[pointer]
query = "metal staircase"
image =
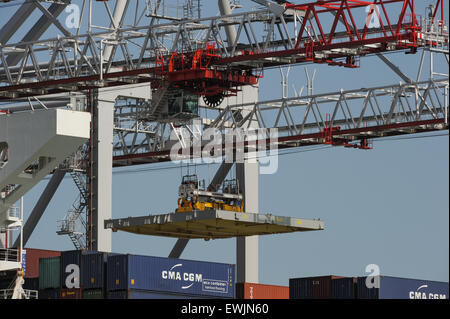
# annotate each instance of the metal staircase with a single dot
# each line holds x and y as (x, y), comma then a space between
(159, 103)
(74, 223)
(81, 185)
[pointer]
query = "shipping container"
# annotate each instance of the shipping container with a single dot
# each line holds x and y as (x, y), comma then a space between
(70, 294)
(71, 269)
(344, 288)
(189, 277)
(49, 272)
(48, 294)
(147, 294)
(312, 287)
(260, 291)
(299, 288)
(93, 270)
(31, 284)
(93, 294)
(386, 287)
(31, 265)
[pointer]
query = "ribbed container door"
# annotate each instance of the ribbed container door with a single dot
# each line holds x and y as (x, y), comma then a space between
(71, 269)
(93, 270)
(343, 288)
(32, 263)
(363, 292)
(49, 272)
(117, 273)
(321, 287)
(299, 288)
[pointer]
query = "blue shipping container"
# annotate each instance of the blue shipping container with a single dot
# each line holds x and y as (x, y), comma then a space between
(126, 272)
(402, 288)
(93, 270)
(71, 269)
(146, 294)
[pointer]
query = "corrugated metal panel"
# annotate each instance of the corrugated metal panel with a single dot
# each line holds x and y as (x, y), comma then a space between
(93, 270)
(93, 294)
(146, 294)
(321, 287)
(71, 269)
(170, 275)
(312, 287)
(260, 291)
(343, 288)
(299, 288)
(70, 294)
(49, 272)
(48, 294)
(32, 260)
(117, 273)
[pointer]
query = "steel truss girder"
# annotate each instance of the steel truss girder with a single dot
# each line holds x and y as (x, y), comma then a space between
(300, 121)
(77, 62)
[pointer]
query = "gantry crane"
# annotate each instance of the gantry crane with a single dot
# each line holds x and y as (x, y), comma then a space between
(165, 69)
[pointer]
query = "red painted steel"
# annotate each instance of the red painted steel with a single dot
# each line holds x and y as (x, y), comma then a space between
(393, 34)
(194, 72)
(261, 291)
(32, 260)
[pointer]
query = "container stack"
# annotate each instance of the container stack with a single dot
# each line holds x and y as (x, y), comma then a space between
(377, 287)
(96, 275)
(93, 276)
(31, 266)
(143, 277)
(387, 287)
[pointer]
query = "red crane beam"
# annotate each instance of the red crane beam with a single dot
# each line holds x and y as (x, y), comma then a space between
(324, 47)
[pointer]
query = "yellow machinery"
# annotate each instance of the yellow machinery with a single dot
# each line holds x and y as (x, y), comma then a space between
(193, 196)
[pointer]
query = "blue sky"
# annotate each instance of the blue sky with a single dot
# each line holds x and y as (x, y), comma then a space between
(388, 206)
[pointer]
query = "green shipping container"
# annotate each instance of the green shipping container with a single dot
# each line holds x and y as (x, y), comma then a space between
(49, 272)
(93, 294)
